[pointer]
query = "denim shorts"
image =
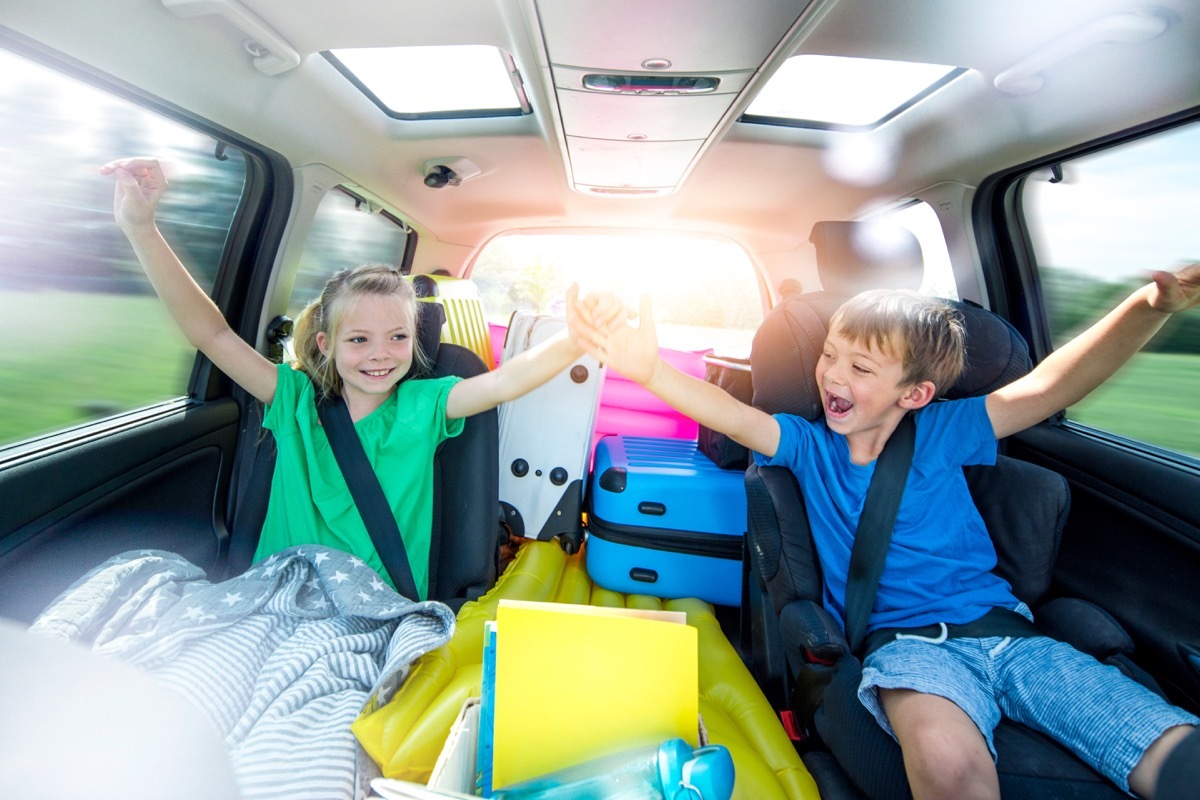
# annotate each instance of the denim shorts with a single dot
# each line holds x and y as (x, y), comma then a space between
(1105, 718)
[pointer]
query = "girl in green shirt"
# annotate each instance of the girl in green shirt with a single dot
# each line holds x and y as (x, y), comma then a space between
(357, 341)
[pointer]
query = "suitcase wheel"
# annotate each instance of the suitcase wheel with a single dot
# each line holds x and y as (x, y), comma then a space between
(570, 542)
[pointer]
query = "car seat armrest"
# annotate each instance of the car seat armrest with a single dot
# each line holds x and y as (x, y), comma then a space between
(1085, 626)
(810, 633)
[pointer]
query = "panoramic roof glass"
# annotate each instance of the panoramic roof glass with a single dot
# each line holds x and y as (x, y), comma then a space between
(833, 91)
(435, 82)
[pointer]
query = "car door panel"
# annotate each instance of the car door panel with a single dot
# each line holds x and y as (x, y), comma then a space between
(1131, 544)
(160, 485)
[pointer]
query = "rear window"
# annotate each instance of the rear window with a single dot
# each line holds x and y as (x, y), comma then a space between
(706, 291)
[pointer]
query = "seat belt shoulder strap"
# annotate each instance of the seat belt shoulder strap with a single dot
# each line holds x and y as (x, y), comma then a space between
(874, 532)
(367, 492)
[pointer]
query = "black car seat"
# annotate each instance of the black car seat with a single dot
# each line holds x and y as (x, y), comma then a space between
(464, 549)
(798, 651)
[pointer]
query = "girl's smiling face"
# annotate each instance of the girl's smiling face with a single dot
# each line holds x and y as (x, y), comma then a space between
(372, 349)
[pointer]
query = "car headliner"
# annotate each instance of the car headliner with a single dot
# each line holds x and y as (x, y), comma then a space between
(761, 185)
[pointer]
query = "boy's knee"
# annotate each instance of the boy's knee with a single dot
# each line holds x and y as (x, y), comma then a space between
(945, 754)
(943, 765)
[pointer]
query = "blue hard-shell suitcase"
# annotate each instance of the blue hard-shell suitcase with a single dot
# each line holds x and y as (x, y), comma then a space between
(664, 520)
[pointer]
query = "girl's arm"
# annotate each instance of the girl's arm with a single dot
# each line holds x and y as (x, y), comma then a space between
(140, 184)
(513, 378)
(535, 366)
(1071, 372)
(634, 352)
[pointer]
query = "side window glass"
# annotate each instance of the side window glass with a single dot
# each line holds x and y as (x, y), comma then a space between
(922, 220)
(84, 335)
(1099, 225)
(344, 234)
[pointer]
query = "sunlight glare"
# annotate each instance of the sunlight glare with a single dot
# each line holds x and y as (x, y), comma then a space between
(866, 158)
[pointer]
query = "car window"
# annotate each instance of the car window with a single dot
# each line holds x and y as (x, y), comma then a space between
(922, 220)
(1099, 224)
(84, 335)
(705, 291)
(346, 231)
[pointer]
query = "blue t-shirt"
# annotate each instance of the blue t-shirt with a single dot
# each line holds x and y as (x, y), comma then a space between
(940, 560)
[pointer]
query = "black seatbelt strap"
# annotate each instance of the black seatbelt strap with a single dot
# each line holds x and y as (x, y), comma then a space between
(874, 532)
(367, 493)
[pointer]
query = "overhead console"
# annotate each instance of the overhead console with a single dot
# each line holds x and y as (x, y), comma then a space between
(636, 108)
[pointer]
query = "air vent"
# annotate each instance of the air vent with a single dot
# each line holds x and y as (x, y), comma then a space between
(650, 84)
(625, 191)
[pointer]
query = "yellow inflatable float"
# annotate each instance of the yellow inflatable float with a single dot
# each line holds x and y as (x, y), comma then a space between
(406, 735)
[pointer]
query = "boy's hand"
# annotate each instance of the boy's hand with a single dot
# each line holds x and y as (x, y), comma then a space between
(1176, 291)
(590, 318)
(140, 183)
(633, 351)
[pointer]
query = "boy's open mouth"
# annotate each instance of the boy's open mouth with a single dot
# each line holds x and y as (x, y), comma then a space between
(837, 405)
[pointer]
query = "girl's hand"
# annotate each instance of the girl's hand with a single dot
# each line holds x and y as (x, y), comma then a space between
(140, 183)
(591, 318)
(1176, 291)
(632, 351)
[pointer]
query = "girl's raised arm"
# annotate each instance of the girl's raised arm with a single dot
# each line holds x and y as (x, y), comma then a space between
(140, 184)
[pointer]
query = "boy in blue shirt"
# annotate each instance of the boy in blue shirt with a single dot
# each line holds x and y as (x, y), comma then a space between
(887, 355)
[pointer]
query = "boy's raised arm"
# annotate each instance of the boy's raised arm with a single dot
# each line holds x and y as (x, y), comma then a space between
(140, 184)
(634, 353)
(1071, 372)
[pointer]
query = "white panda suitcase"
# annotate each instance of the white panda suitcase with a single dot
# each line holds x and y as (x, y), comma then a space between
(546, 439)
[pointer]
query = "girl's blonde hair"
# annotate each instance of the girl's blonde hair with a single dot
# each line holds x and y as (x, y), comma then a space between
(326, 312)
(925, 333)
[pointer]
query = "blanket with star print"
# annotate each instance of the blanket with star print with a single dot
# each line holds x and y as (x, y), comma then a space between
(281, 659)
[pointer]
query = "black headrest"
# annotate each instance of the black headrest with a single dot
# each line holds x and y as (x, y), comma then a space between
(853, 256)
(431, 316)
(783, 357)
(996, 353)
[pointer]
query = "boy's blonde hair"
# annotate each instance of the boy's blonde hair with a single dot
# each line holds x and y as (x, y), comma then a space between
(925, 333)
(326, 313)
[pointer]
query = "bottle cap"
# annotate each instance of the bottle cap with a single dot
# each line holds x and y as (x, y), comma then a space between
(703, 774)
(672, 755)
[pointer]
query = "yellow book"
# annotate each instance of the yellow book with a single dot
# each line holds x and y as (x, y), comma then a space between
(574, 683)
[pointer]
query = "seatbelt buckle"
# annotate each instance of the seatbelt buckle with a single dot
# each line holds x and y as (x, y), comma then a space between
(790, 727)
(811, 657)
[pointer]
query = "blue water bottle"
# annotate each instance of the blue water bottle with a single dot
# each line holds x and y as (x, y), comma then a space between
(670, 771)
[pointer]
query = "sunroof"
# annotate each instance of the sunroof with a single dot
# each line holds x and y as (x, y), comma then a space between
(838, 92)
(435, 82)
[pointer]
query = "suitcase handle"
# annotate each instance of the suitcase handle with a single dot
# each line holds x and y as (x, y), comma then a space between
(652, 508)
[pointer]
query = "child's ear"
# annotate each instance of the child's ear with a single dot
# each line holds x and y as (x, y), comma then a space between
(918, 395)
(323, 343)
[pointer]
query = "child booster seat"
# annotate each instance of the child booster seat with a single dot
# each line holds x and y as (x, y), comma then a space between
(799, 652)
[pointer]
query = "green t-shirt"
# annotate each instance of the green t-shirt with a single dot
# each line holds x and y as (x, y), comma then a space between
(310, 502)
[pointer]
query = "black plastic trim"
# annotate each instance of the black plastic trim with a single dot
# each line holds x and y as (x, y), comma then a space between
(709, 545)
